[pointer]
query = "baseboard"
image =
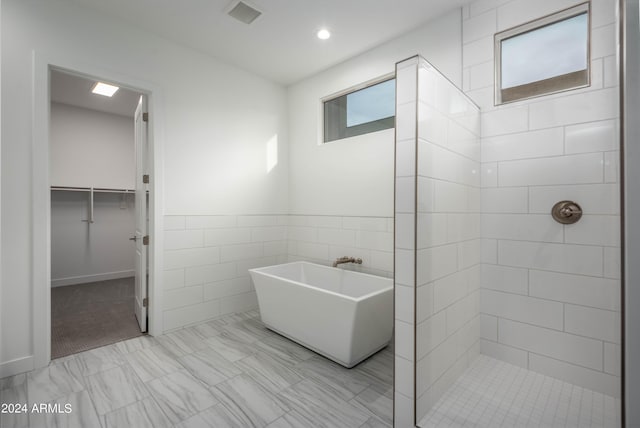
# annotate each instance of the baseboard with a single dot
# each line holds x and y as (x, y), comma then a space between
(60, 282)
(17, 366)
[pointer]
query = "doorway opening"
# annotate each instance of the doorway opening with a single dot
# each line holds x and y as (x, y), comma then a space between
(99, 204)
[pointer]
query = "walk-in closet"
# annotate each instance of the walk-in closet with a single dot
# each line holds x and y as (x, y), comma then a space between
(93, 246)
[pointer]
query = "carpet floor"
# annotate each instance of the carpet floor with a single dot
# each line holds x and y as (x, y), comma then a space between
(87, 316)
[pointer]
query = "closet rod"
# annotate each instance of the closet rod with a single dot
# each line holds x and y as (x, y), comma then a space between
(88, 189)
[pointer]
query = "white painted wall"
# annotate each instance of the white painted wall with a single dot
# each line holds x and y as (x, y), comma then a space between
(91, 148)
(218, 122)
(341, 193)
(550, 297)
(354, 176)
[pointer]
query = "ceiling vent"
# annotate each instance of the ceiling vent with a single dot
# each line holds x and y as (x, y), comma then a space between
(244, 13)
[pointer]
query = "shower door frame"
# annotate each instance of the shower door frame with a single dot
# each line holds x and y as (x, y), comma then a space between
(629, 27)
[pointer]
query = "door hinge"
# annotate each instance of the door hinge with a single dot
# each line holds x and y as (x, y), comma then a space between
(145, 179)
(145, 240)
(145, 117)
(145, 302)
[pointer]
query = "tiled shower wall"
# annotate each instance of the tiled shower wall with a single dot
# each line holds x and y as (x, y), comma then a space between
(207, 257)
(550, 298)
(437, 237)
(448, 236)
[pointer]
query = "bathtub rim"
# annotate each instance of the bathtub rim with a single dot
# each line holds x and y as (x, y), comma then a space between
(342, 296)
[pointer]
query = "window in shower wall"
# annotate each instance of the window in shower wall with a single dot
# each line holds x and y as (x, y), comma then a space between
(360, 111)
(545, 56)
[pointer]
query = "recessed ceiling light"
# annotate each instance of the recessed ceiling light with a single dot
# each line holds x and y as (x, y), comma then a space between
(323, 34)
(104, 89)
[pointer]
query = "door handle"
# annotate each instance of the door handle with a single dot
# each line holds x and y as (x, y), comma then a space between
(135, 238)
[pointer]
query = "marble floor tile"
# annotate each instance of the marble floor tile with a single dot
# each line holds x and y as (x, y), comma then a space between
(207, 329)
(142, 414)
(229, 372)
(64, 359)
(316, 402)
(16, 395)
(180, 395)
(346, 383)
(99, 359)
(378, 367)
(242, 332)
(54, 381)
(209, 367)
(230, 347)
(151, 363)
(167, 343)
(374, 422)
(284, 349)
(136, 344)
(218, 323)
(256, 328)
(82, 414)
(233, 318)
(115, 388)
(268, 371)
(192, 337)
(294, 419)
(13, 381)
(217, 416)
(378, 401)
(254, 313)
(183, 342)
(242, 394)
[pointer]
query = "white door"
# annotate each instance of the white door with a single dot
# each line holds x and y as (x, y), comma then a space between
(141, 213)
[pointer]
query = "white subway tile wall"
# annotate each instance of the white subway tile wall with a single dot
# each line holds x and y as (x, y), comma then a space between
(323, 239)
(207, 257)
(207, 260)
(550, 299)
(437, 236)
(406, 206)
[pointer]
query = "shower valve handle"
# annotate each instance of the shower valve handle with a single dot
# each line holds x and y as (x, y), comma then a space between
(566, 212)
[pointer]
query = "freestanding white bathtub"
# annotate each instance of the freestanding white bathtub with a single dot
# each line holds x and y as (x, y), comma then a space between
(345, 316)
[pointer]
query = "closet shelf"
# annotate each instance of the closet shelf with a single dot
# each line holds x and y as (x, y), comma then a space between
(89, 189)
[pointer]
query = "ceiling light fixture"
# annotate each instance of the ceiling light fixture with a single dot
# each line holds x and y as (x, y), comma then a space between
(104, 89)
(323, 34)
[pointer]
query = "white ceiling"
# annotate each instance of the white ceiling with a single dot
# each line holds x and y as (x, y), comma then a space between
(280, 45)
(76, 91)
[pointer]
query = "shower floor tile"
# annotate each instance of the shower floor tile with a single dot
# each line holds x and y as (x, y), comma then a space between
(492, 394)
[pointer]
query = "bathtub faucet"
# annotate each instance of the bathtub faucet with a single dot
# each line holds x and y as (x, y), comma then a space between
(346, 259)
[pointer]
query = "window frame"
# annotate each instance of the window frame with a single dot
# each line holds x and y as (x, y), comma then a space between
(552, 85)
(363, 128)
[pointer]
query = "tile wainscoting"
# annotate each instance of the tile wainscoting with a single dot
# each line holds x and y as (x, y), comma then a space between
(207, 257)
